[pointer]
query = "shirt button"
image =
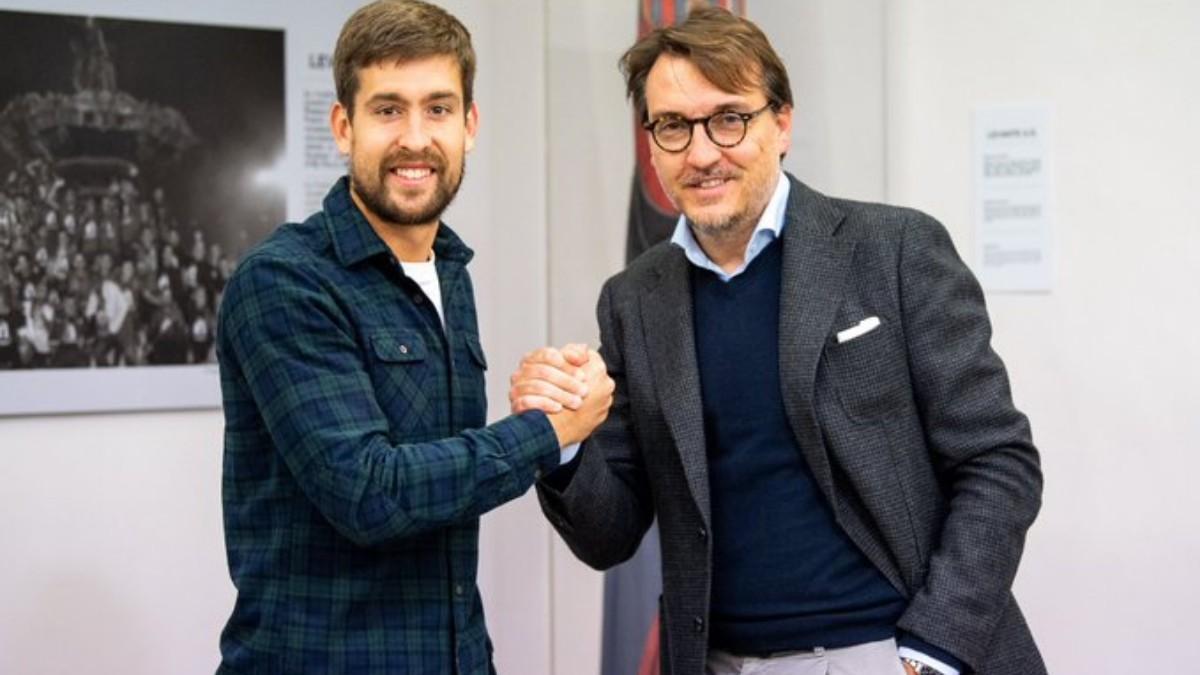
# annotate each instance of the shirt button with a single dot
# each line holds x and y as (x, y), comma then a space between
(403, 349)
(418, 298)
(702, 533)
(537, 474)
(698, 624)
(458, 589)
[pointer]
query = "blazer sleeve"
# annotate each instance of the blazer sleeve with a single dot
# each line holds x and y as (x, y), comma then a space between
(980, 446)
(600, 502)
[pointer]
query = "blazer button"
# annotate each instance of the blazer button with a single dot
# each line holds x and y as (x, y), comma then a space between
(698, 623)
(702, 533)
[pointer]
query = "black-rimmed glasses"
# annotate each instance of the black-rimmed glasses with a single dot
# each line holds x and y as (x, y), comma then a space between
(726, 128)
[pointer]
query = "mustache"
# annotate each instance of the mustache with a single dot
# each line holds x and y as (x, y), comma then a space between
(697, 177)
(429, 157)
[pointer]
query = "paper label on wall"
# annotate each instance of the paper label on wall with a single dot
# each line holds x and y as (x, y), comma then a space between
(323, 163)
(1013, 198)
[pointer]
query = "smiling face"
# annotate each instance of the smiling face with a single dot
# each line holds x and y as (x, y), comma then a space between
(407, 140)
(722, 191)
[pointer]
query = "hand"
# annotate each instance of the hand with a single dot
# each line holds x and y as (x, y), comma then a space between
(549, 380)
(571, 385)
(574, 426)
(912, 667)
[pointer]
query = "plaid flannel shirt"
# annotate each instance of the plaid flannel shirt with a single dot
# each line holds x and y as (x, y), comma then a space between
(357, 462)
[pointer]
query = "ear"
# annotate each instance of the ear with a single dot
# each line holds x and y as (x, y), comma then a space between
(472, 126)
(343, 131)
(783, 118)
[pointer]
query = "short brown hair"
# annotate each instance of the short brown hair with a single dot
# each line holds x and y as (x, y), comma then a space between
(721, 46)
(399, 30)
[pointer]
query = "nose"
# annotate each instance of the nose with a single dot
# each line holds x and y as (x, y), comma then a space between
(701, 152)
(413, 135)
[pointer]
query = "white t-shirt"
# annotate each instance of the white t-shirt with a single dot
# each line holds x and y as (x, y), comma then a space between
(425, 274)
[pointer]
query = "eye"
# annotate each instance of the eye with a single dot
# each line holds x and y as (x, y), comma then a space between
(388, 111)
(671, 125)
(439, 110)
(727, 121)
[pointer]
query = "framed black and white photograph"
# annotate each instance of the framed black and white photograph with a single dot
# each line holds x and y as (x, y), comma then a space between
(137, 163)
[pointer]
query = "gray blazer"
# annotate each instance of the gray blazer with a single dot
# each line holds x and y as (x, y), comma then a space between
(909, 429)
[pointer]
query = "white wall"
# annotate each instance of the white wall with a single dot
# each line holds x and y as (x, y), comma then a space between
(113, 552)
(1106, 365)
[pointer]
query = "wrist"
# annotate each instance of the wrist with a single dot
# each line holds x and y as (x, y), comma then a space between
(915, 667)
(562, 429)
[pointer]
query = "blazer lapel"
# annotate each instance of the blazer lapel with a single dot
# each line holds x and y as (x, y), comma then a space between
(667, 321)
(815, 266)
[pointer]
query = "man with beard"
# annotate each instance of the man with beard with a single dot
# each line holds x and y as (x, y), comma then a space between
(806, 400)
(357, 460)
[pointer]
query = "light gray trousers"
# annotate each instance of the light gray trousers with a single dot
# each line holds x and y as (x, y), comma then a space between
(872, 658)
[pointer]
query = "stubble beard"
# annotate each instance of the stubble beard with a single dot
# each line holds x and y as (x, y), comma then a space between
(723, 228)
(376, 198)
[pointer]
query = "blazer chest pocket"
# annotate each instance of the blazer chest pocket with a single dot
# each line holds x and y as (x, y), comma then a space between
(869, 372)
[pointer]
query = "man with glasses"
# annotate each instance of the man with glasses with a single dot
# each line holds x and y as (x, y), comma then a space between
(806, 399)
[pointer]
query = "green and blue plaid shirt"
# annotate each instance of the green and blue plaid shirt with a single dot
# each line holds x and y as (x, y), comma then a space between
(357, 462)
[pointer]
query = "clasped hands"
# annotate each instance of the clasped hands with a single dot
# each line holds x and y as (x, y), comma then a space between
(571, 385)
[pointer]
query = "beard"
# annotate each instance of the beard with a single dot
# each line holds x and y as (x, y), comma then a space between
(375, 197)
(719, 225)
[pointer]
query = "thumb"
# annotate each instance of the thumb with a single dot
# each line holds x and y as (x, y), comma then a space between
(576, 353)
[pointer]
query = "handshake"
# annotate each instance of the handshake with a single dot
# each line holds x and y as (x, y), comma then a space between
(571, 385)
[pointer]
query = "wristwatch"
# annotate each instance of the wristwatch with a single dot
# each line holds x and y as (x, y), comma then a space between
(921, 668)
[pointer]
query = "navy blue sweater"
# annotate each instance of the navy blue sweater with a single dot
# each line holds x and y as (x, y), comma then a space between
(785, 575)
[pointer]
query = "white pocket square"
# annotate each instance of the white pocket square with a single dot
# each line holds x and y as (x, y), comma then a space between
(858, 330)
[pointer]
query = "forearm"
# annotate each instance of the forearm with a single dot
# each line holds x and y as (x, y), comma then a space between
(600, 503)
(382, 492)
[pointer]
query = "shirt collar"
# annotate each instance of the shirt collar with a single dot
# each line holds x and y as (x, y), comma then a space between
(354, 240)
(769, 227)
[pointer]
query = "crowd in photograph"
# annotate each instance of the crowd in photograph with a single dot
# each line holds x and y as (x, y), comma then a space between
(102, 276)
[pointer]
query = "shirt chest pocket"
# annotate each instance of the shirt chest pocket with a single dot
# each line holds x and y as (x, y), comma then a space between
(405, 376)
(475, 349)
(470, 381)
